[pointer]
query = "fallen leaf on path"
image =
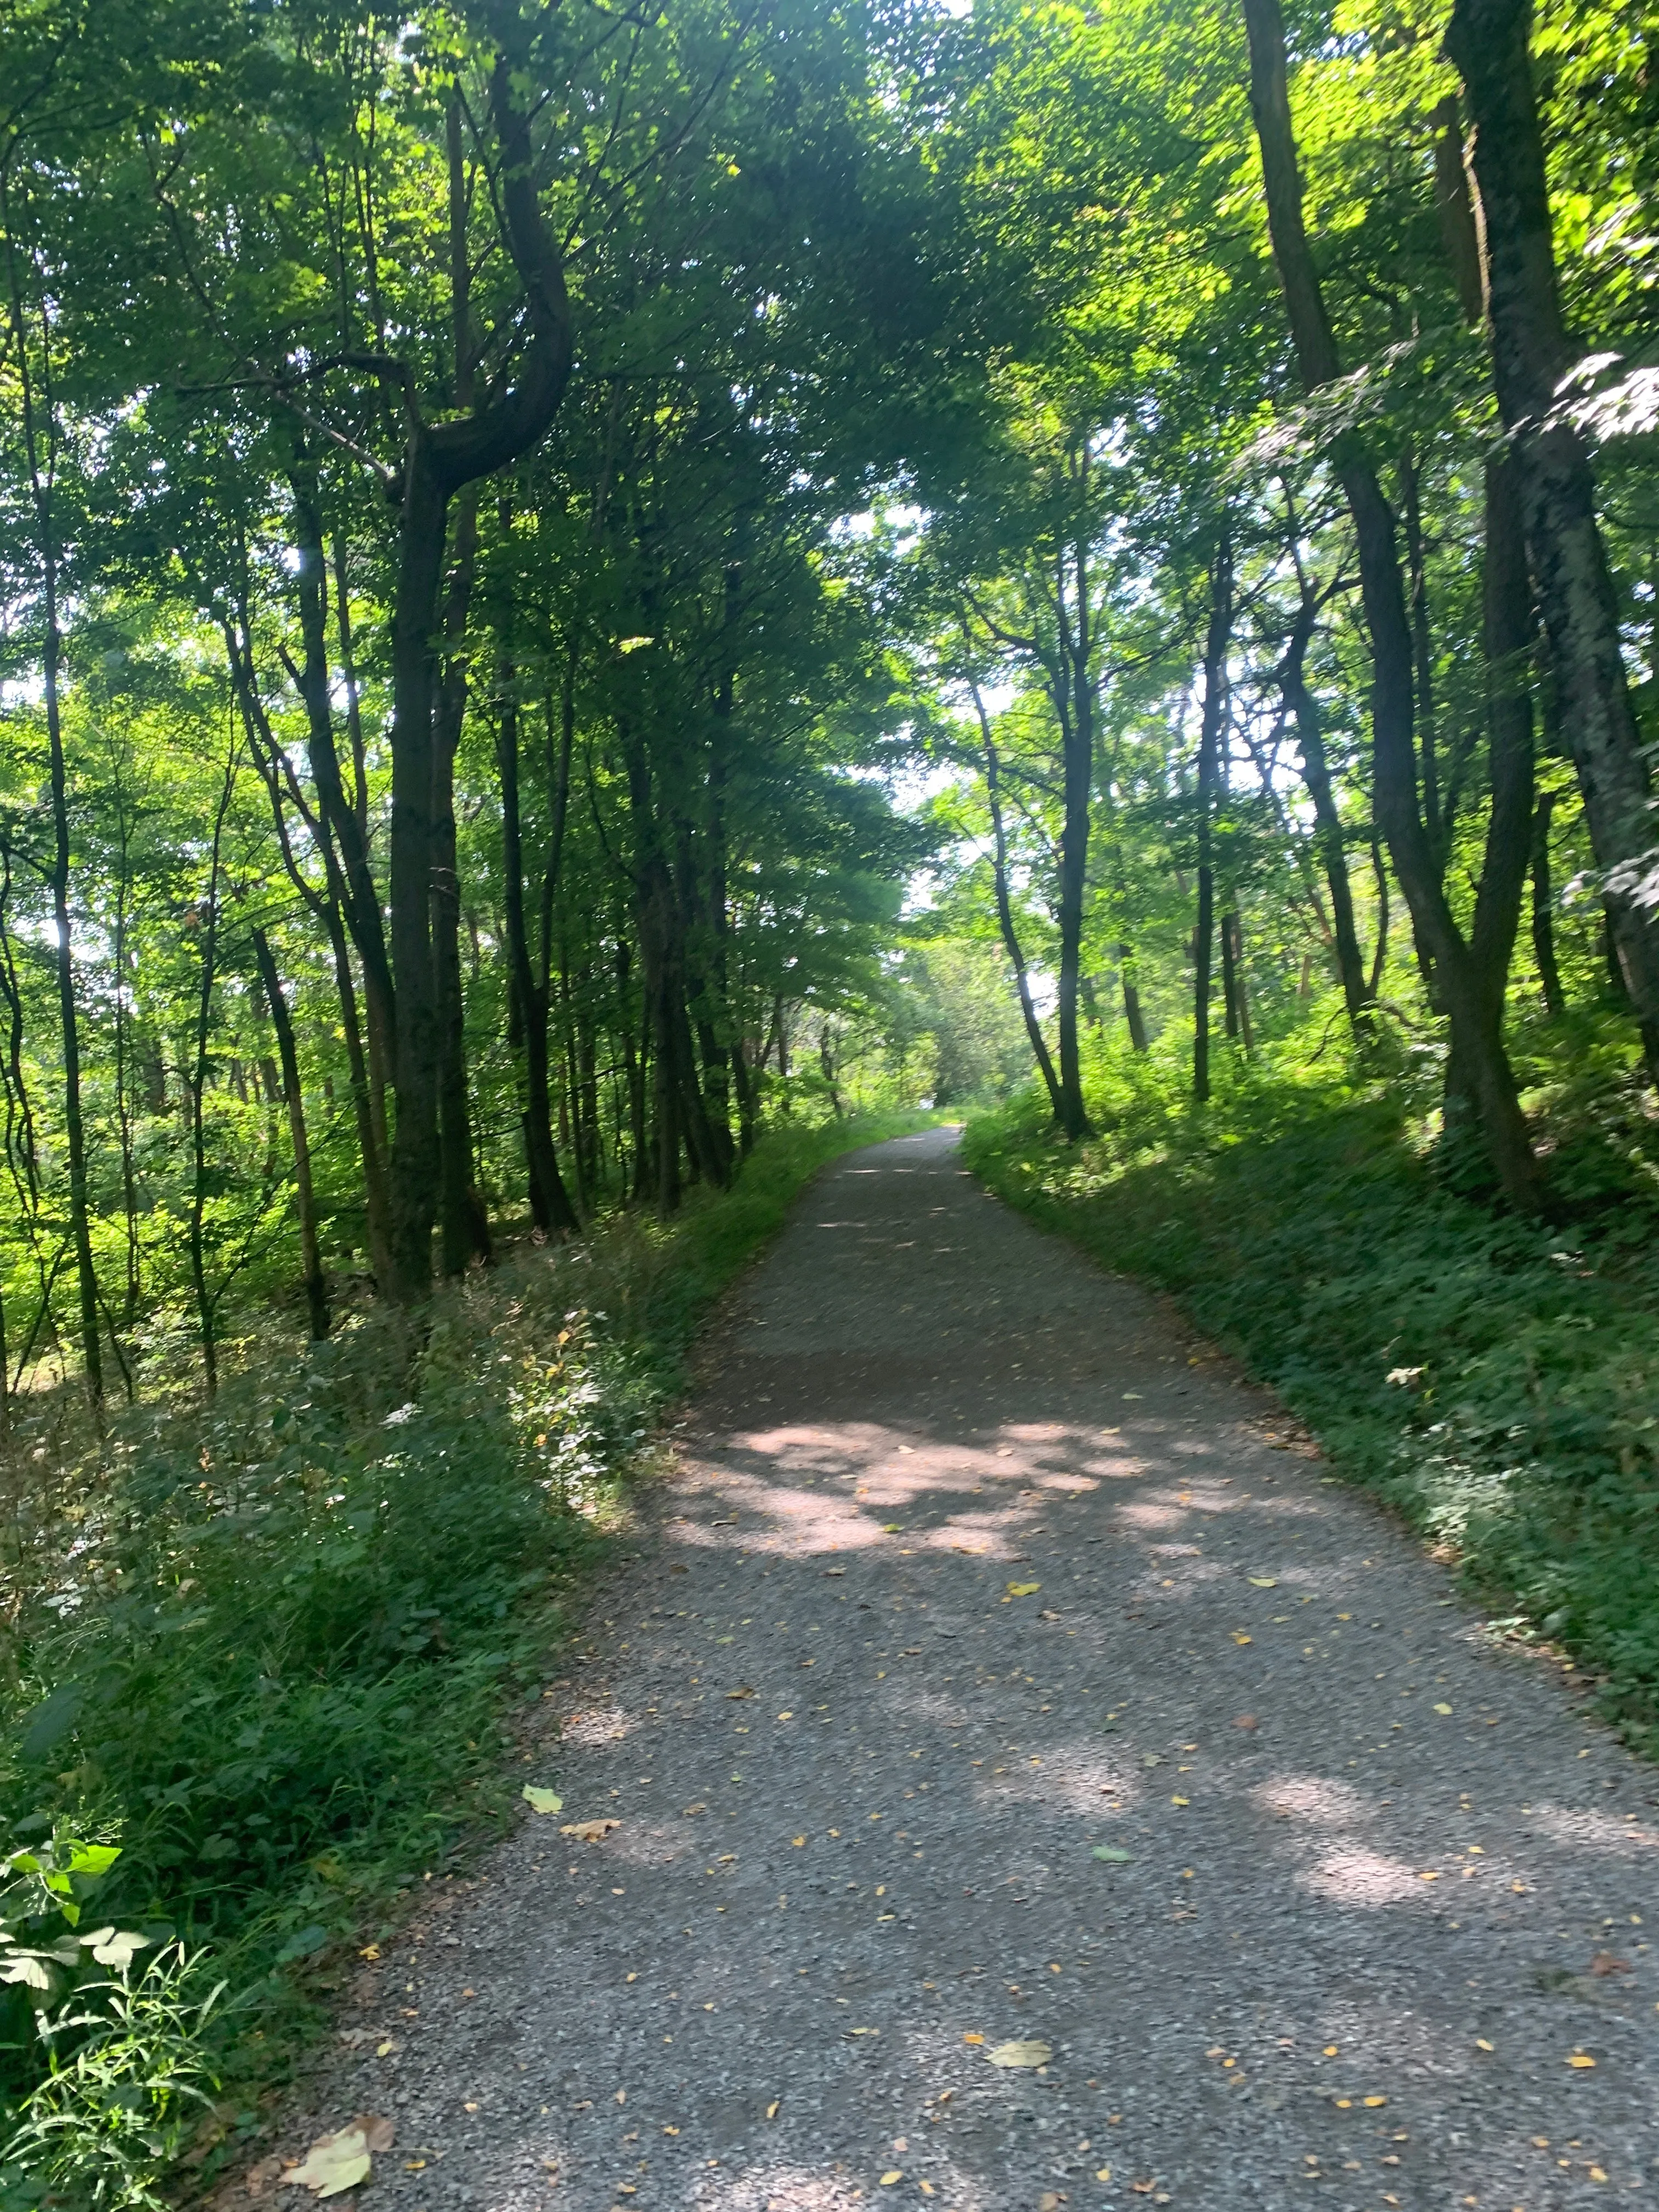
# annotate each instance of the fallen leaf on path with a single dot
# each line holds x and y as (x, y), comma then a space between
(772, 2109)
(1048, 2201)
(341, 2160)
(1112, 1855)
(590, 1831)
(835, 1571)
(744, 1692)
(1181, 1800)
(690, 1809)
(1023, 1589)
(1102, 2173)
(1246, 1721)
(1442, 1709)
(542, 1801)
(973, 2039)
(1604, 1963)
(1237, 1638)
(893, 2173)
(1581, 2058)
(1264, 1581)
(1021, 2053)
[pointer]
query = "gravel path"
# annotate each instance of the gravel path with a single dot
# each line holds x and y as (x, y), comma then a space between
(975, 1563)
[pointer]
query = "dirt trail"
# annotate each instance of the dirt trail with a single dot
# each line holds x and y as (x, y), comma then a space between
(1385, 1883)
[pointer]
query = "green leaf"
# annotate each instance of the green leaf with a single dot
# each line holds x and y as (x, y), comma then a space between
(542, 1801)
(1112, 1855)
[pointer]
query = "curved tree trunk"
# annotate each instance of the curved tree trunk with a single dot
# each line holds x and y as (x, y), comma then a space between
(1477, 1039)
(1488, 41)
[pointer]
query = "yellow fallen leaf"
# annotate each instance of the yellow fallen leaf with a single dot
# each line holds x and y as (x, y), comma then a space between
(1238, 1638)
(1596, 2173)
(893, 2174)
(1580, 2059)
(973, 2039)
(772, 2109)
(786, 1716)
(1102, 2173)
(542, 1801)
(926, 2188)
(1331, 2049)
(744, 1692)
(1264, 1581)
(1345, 2104)
(1442, 1709)
(1023, 1589)
(798, 1841)
(1481, 2044)
(1021, 2053)
(590, 1831)
(341, 2160)
(1181, 1800)
(1373, 2102)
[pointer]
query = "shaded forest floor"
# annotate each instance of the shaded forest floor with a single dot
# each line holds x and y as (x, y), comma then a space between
(1495, 1381)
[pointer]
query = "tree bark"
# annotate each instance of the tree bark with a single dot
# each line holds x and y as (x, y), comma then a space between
(439, 459)
(1476, 1039)
(1543, 910)
(1133, 1013)
(1005, 913)
(550, 1209)
(1209, 756)
(1357, 995)
(1532, 350)
(303, 1196)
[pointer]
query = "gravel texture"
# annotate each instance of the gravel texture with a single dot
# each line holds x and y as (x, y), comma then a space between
(1387, 1879)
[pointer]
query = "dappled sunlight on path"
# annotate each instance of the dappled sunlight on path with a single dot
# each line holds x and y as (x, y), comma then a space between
(1000, 1671)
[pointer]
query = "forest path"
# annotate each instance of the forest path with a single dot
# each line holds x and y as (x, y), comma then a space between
(1385, 1882)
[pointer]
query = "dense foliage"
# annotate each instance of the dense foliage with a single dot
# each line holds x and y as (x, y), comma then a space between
(576, 579)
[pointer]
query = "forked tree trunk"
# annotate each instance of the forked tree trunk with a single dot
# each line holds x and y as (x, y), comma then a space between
(1488, 41)
(1477, 1039)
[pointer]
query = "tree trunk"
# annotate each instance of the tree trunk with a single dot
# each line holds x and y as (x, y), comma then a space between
(550, 1209)
(1131, 1009)
(1209, 757)
(439, 459)
(1507, 607)
(1477, 1040)
(1543, 910)
(1357, 995)
(304, 1199)
(463, 1226)
(1075, 700)
(1005, 912)
(1488, 41)
(370, 1143)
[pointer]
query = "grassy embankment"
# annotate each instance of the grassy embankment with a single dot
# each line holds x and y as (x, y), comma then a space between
(269, 1650)
(1496, 1381)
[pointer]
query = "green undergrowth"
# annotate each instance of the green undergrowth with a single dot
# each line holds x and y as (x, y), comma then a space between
(1496, 1381)
(264, 1658)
